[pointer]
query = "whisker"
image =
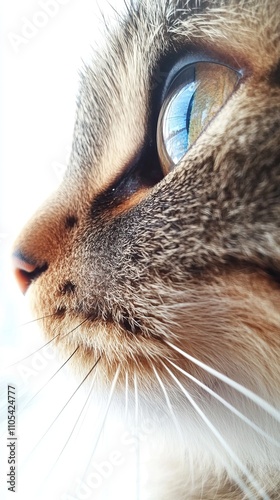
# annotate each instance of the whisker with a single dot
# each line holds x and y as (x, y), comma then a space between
(38, 392)
(77, 421)
(34, 352)
(73, 330)
(29, 322)
(137, 436)
(273, 412)
(245, 471)
(47, 343)
(64, 406)
(136, 401)
(126, 396)
(168, 402)
(56, 372)
(110, 397)
(234, 410)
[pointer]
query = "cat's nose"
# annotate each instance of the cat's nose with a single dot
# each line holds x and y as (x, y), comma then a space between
(25, 271)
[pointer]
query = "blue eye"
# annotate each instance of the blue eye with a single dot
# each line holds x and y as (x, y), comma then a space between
(176, 127)
(195, 97)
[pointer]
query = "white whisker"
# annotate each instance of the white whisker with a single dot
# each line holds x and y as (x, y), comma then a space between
(110, 397)
(79, 416)
(169, 405)
(64, 406)
(73, 429)
(48, 381)
(136, 401)
(235, 385)
(126, 396)
(137, 437)
(73, 329)
(228, 405)
(245, 471)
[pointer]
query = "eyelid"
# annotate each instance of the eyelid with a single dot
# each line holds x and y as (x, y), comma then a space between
(187, 60)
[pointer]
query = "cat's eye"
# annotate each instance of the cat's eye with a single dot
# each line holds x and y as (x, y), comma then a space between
(195, 96)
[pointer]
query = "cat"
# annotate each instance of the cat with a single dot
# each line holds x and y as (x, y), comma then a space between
(156, 263)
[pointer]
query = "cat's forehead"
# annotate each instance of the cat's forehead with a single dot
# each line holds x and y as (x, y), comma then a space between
(119, 87)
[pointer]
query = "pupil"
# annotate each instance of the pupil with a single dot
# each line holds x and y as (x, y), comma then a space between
(177, 122)
(189, 114)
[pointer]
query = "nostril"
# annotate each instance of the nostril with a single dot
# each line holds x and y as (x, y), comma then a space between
(25, 271)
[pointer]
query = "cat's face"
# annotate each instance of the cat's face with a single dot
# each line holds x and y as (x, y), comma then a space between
(165, 233)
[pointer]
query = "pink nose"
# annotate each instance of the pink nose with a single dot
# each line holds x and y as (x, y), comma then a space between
(24, 272)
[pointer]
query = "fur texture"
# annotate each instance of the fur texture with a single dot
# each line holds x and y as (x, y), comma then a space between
(144, 262)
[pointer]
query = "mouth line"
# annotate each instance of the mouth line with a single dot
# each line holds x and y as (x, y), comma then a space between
(129, 325)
